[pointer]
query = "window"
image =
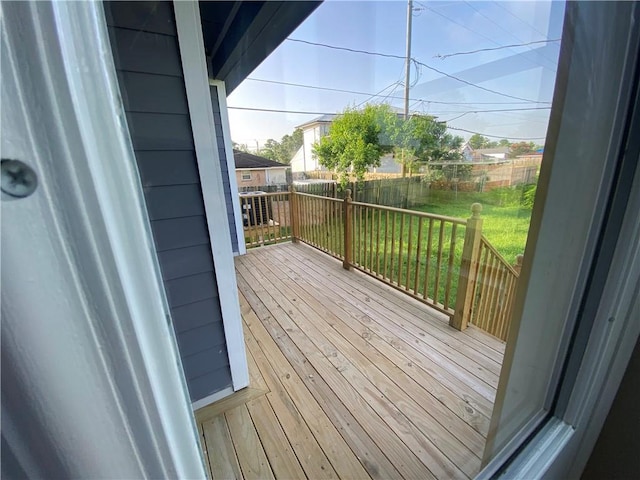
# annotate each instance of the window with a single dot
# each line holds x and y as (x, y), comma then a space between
(246, 176)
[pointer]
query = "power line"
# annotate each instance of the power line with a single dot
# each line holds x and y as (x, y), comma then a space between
(553, 62)
(353, 50)
(355, 92)
(474, 85)
(306, 112)
(495, 48)
(469, 29)
(419, 63)
(495, 136)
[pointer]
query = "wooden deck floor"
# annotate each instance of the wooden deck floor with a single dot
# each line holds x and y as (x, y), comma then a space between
(349, 379)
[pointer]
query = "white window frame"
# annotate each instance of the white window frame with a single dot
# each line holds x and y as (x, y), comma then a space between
(196, 81)
(245, 176)
(562, 434)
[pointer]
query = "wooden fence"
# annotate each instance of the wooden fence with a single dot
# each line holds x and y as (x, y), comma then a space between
(444, 262)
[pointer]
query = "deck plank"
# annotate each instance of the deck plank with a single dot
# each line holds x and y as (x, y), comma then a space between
(221, 453)
(359, 347)
(349, 378)
(444, 454)
(253, 461)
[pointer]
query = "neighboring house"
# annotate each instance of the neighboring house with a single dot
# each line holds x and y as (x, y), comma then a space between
(254, 171)
(306, 161)
(483, 154)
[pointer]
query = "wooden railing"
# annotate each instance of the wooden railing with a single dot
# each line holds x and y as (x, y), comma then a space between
(494, 290)
(414, 252)
(266, 218)
(444, 262)
(319, 221)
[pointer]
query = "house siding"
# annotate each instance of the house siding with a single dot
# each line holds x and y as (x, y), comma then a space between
(226, 183)
(147, 60)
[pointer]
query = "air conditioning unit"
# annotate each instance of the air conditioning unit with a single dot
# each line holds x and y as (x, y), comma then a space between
(256, 209)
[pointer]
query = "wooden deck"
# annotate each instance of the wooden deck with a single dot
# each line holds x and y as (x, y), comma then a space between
(349, 379)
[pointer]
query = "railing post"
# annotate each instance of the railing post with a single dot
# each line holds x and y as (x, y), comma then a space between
(293, 214)
(348, 227)
(518, 266)
(468, 270)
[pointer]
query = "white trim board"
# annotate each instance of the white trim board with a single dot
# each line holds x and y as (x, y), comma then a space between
(208, 400)
(231, 163)
(206, 147)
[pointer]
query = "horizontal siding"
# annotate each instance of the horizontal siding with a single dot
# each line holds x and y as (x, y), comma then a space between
(149, 93)
(199, 364)
(173, 201)
(147, 59)
(145, 52)
(193, 288)
(187, 261)
(200, 387)
(162, 168)
(193, 315)
(154, 17)
(199, 339)
(180, 232)
(160, 131)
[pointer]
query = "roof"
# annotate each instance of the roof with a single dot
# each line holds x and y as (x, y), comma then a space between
(487, 151)
(238, 35)
(248, 160)
(328, 118)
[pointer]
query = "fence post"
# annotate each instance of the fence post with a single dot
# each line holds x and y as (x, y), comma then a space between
(468, 270)
(348, 227)
(293, 214)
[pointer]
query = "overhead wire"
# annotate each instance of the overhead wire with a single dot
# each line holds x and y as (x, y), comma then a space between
(307, 112)
(447, 55)
(511, 34)
(429, 67)
(355, 92)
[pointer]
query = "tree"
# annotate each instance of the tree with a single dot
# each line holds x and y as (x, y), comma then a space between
(478, 141)
(522, 148)
(240, 146)
(504, 143)
(356, 141)
(284, 150)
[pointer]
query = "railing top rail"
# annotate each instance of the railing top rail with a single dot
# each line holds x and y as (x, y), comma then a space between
(261, 194)
(459, 221)
(491, 248)
(322, 197)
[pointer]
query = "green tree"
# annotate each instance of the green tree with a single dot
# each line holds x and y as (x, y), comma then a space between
(240, 146)
(478, 141)
(504, 143)
(284, 150)
(522, 148)
(356, 141)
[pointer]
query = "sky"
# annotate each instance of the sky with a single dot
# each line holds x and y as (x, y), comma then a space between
(438, 29)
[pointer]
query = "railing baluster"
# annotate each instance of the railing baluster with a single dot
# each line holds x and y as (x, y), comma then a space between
(416, 286)
(425, 292)
(386, 235)
(365, 234)
(393, 246)
(409, 256)
(452, 253)
(371, 219)
(436, 289)
(399, 281)
(378, 242)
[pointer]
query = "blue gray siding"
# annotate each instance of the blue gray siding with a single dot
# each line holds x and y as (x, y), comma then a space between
(146, 54)
(217, 119)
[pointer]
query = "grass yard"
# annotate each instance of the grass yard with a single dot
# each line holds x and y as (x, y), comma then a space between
(506, 222)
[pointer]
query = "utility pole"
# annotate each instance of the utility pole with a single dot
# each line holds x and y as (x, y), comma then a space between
(407, 76)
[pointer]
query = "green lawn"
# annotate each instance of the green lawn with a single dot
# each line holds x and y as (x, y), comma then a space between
(506, 222)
